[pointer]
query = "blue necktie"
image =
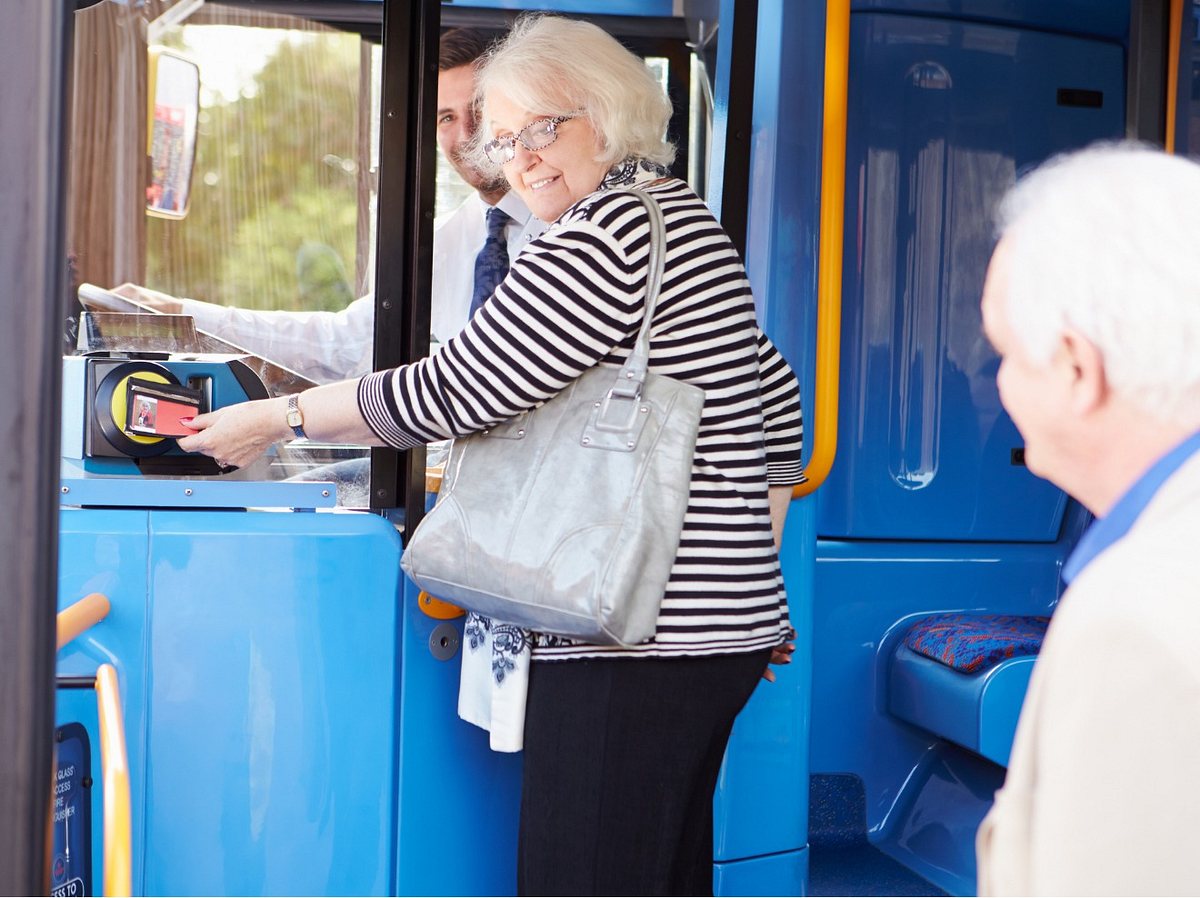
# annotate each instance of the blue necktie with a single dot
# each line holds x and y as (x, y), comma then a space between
(491, 265)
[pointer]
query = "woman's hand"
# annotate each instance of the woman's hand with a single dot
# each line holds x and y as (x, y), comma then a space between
(238, 434)
(781, 654)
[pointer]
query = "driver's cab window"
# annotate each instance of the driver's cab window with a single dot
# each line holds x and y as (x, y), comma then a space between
(286, 156)
(245, 206)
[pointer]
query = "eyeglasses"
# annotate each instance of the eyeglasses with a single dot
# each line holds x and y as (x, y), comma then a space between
(535, 136)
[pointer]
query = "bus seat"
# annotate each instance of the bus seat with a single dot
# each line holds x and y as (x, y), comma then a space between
(963, 677)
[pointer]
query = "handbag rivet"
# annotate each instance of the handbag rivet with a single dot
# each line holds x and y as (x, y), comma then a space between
(628, 374)
(520, 433)
(595, 405)
(586, 440)
(644, 409)
(630, 444)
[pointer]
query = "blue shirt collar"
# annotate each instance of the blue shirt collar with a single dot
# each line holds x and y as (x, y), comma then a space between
(1116, 523)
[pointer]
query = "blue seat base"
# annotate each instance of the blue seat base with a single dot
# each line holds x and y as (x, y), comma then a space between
(977, 711)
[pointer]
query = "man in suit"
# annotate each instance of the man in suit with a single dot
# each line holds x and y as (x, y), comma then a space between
(1092, 301)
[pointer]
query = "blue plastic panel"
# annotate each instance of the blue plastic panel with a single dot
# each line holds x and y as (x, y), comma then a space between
(1003, 698)
(106, 551)
(943, 115)
(459, 801)
(269, 750)
(977, 711)
(766, 763)
(779, 874)
(147, 492)
(944, 801)
(1108, 19)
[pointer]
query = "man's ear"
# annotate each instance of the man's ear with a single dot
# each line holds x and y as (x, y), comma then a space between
(1084, 364)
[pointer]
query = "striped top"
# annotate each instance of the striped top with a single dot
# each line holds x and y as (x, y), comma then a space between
(573, 299)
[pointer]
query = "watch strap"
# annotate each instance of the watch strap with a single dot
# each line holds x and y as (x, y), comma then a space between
(295, 419)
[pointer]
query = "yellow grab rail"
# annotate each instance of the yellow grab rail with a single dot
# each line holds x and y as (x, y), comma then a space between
(114, 759)
(1176, 32)
(829, 266)
(114, 764)
(85, 613)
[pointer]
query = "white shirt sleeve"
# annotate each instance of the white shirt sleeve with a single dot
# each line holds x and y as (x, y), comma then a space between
(322, 346)
(331, 346)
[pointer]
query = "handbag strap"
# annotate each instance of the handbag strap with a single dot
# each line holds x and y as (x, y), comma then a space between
(633, 373)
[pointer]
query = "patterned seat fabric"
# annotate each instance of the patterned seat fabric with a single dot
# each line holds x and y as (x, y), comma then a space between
(972, 643)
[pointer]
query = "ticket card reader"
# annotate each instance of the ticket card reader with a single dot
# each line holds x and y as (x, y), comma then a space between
(123, 413)
(135, 380)
(135, 408)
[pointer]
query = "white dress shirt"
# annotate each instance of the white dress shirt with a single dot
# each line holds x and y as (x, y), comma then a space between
(331, 346)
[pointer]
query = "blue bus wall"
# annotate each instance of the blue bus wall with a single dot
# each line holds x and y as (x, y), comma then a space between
(924, 509)
(291, 731)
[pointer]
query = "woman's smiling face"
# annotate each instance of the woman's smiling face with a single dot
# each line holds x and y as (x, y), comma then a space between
(557, 176)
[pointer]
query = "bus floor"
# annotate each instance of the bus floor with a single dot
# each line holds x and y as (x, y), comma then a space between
(841, 860)
(862, 870)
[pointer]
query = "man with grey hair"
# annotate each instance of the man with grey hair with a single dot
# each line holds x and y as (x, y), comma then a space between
(1092, 301)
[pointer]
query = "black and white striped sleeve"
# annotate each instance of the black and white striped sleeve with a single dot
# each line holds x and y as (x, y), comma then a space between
(568, 301)
(783, 423)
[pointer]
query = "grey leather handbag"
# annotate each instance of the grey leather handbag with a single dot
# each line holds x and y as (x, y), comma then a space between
(566, 519)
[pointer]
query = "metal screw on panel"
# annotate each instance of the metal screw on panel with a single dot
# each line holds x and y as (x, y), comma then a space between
(187, 492)
(325, 493)
(65, 490)
(387, 303)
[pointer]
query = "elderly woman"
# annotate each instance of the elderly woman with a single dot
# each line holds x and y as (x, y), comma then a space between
(622, 745)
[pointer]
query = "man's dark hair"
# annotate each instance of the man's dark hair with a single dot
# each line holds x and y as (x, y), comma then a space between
(460, 46)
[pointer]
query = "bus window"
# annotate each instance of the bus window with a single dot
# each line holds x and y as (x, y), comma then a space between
(281, 213)
(284, 131)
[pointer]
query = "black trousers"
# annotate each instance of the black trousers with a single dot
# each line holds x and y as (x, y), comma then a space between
(621, 760)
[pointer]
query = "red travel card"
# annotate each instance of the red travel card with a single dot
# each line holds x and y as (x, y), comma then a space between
(156, 409)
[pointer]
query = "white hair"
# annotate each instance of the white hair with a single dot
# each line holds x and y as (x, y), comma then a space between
(559, 66)
(1106, 241)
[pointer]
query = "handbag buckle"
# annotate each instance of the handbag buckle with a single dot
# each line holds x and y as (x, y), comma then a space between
(629, 384)
(622, 434)
(621, 426)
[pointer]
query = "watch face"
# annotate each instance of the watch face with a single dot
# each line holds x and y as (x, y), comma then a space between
(294, 419)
